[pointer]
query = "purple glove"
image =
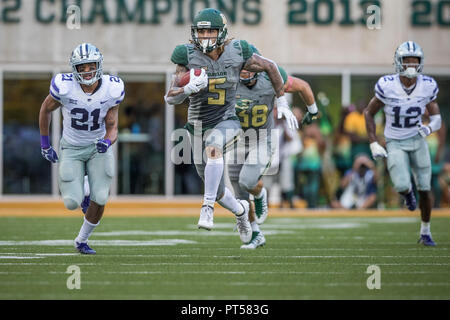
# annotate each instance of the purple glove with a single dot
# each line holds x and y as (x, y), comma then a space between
(103, 145)
(47, 151)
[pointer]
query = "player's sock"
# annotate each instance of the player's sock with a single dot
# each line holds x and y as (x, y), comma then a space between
(255, 227)
(228, 201)
(213, 175)
(86, 230)
(425, 228)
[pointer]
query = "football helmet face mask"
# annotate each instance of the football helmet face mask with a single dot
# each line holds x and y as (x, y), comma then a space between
(86, 53)
(409, 49)
(246, 77)
(209, 19)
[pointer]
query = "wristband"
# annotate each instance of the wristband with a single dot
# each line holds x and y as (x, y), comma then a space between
(435, 122)
(45, 142)
(313, 108)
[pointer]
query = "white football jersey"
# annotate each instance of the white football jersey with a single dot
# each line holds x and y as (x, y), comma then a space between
(84, 114)
(404, 112)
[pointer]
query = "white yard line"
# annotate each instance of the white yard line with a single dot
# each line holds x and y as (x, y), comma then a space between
(19, 257)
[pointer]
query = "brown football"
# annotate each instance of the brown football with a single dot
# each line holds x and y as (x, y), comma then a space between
(184, 80)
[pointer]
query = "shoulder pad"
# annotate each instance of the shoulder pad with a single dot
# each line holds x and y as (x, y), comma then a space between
(383, 86)
(180, 55)
(244, 47)
(431, 86)
(60, 85)
(429, 82)
(116, 88)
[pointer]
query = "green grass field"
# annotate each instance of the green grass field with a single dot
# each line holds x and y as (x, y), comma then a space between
(169, 259)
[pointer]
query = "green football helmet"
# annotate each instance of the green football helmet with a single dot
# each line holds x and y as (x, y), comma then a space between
(209, 19)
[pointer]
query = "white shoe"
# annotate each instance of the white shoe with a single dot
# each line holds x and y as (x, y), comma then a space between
(261, 207)
(257, 241)
(206, 218)
(242, 223)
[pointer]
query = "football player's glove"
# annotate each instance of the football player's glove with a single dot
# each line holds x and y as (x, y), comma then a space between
(49, 154)
(196, 83)
(424, 131)
(283, 110)
(103, 145)
(377, 150)
(308, 118)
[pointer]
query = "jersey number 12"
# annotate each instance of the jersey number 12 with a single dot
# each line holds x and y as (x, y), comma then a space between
(414, 111)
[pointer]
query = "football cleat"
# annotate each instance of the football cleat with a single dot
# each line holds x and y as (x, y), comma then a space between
(206, 218)
(410, 200)
(84, 248)
(426, 240)
(85, 204)
(243, 224)
(258, 240)
(261, 207)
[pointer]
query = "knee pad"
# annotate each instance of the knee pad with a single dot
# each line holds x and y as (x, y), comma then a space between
(247, 184)
(66, 172)
(100, 198)
(100, 195)
(70, 203)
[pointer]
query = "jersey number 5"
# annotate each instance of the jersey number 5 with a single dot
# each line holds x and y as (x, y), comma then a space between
(81, 123)
(414, 111)
(220, 100)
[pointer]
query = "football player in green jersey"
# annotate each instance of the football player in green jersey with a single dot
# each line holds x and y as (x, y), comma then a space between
(211, 114)
(254, 105)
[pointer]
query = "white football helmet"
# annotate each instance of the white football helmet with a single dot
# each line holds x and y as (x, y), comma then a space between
(86, 53)
(408, 49)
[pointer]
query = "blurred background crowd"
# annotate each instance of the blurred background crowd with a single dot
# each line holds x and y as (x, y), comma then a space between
(332, 166)
(330, 44)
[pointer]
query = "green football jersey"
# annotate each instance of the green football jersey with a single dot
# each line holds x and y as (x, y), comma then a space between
(216, 102)
(254, 105)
